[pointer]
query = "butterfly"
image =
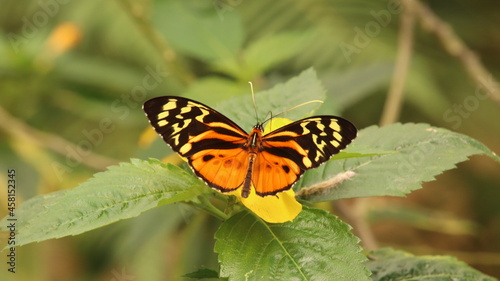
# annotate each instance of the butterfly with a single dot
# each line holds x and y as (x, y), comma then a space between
(227, 158)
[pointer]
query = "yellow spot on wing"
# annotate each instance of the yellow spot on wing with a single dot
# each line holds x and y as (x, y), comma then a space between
(204, 113)
(335, 126)
(162, 115)
(177, 128)
(337, 136)
(162, 123)
(185, 110)
(175, 138)
(320, 126)
(185, 148)
(306, 130)
(307, 162)
(169, 105)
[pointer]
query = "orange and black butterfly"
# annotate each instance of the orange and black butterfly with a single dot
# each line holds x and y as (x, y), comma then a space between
(228, 158)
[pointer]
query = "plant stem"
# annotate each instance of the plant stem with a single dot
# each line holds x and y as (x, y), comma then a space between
(394, 100)
(206, 205)
(457, 48)
(392, 109)
(356, 215)
(19, 129)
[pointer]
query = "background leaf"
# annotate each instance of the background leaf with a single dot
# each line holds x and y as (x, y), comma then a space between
(396, 174)
(197, 32)
(387, 264)
(299, 89)
(345, 90)
(262, 55)
(315, 246)
(122, 192)
(213, 89)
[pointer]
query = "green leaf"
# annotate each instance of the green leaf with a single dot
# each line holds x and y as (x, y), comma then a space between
(199, 31)
(361, 151)
(300, 89)
(424, 152)
(262, 55)
(315, 246)
(211, 90)
(387, 264)
(122, 192)
(267, 52)
(346, 87)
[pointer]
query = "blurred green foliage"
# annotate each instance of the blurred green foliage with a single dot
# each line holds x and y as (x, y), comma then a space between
(74, 74)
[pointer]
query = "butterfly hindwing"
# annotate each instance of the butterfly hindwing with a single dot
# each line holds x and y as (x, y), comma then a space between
(273, 174)
(222, 169)
(209, 140)
(292, 149)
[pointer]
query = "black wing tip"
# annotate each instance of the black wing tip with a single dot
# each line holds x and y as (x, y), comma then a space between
(154, 101)
(349, 128)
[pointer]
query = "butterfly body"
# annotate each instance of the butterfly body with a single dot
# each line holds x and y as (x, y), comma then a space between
(227, 158)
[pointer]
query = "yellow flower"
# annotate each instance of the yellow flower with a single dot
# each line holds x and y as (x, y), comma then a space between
(279, 208)
(282, 207)
(64, 37)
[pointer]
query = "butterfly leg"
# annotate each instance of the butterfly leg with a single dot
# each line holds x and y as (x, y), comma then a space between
(245, 191)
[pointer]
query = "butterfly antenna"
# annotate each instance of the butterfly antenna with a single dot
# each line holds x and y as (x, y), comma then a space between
(271, 121)
(290, 109)
(253, 99)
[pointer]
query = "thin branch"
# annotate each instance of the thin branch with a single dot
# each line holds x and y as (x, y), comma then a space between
(356, 216)
(392, 109)
(19, 129)
(457, 48)
(394, 100)
(170, 59)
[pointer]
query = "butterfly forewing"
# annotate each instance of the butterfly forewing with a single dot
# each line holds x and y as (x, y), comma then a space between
(291, 150)
(209, 140)
(320, 137)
